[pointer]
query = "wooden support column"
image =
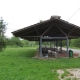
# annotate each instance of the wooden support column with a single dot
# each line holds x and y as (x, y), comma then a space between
(67, 45)
(40, 47)
(61, 46)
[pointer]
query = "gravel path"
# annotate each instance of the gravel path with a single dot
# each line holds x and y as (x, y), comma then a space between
(73, 74)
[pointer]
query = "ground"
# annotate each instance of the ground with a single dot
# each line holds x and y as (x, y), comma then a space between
(18, 64)
(71, 74)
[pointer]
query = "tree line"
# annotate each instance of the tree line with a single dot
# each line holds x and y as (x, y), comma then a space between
(15, 41)
(2, 31)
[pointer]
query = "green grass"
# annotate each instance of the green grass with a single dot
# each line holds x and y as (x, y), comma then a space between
(17, 64)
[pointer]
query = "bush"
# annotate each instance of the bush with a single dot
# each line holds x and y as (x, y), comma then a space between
(2, 44)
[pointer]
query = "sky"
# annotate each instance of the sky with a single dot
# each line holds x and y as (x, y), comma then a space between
(22, 13)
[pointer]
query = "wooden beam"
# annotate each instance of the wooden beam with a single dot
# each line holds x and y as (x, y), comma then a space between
(71, 31)
(47, 30)
(68, 28)
(30, 36)
(74, 36)
(54, 32)
(50, 33)
(34, 30)
(37, 31)
(53, 37)
(61, 30)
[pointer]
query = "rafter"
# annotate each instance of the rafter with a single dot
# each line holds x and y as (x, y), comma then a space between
(54, 31)
(61, 30)
(67, 28)
(74, 36)
(71, 31)
(29, 36)
(34, 30)
(37, 31)
(47, 30)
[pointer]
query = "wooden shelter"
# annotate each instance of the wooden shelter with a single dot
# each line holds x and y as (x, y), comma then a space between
(50, 30)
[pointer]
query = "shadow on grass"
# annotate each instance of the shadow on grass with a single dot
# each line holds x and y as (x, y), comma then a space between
(18, 52)
(28, 53)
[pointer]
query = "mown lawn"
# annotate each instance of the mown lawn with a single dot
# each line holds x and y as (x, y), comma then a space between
(17, 64)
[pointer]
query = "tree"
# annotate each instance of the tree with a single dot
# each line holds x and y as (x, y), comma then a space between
(2, 37)
(75, 42)
(15, 41)
(41, 21)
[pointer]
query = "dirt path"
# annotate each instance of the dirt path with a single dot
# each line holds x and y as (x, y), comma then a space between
(74, 50)
(69, 74)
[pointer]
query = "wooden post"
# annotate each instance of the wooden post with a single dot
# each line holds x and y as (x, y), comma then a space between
(61, 46)
(67, 45)
(40, 47)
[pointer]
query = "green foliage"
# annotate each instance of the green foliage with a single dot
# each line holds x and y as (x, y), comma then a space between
(72, 43)
(25, 42)
(2, 44)
(2, 37)
(17, 42)
(41, 21)
(2, 26)
(75, 42)
(14, 41)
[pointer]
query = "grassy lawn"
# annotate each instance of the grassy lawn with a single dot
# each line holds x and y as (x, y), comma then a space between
(17, 64)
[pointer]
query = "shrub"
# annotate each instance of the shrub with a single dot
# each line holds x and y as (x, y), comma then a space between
(2, 44)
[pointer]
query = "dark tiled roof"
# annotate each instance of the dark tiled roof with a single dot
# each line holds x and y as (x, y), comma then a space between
(54, 27)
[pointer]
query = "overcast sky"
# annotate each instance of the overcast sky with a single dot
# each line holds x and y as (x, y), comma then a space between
(22, 13)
